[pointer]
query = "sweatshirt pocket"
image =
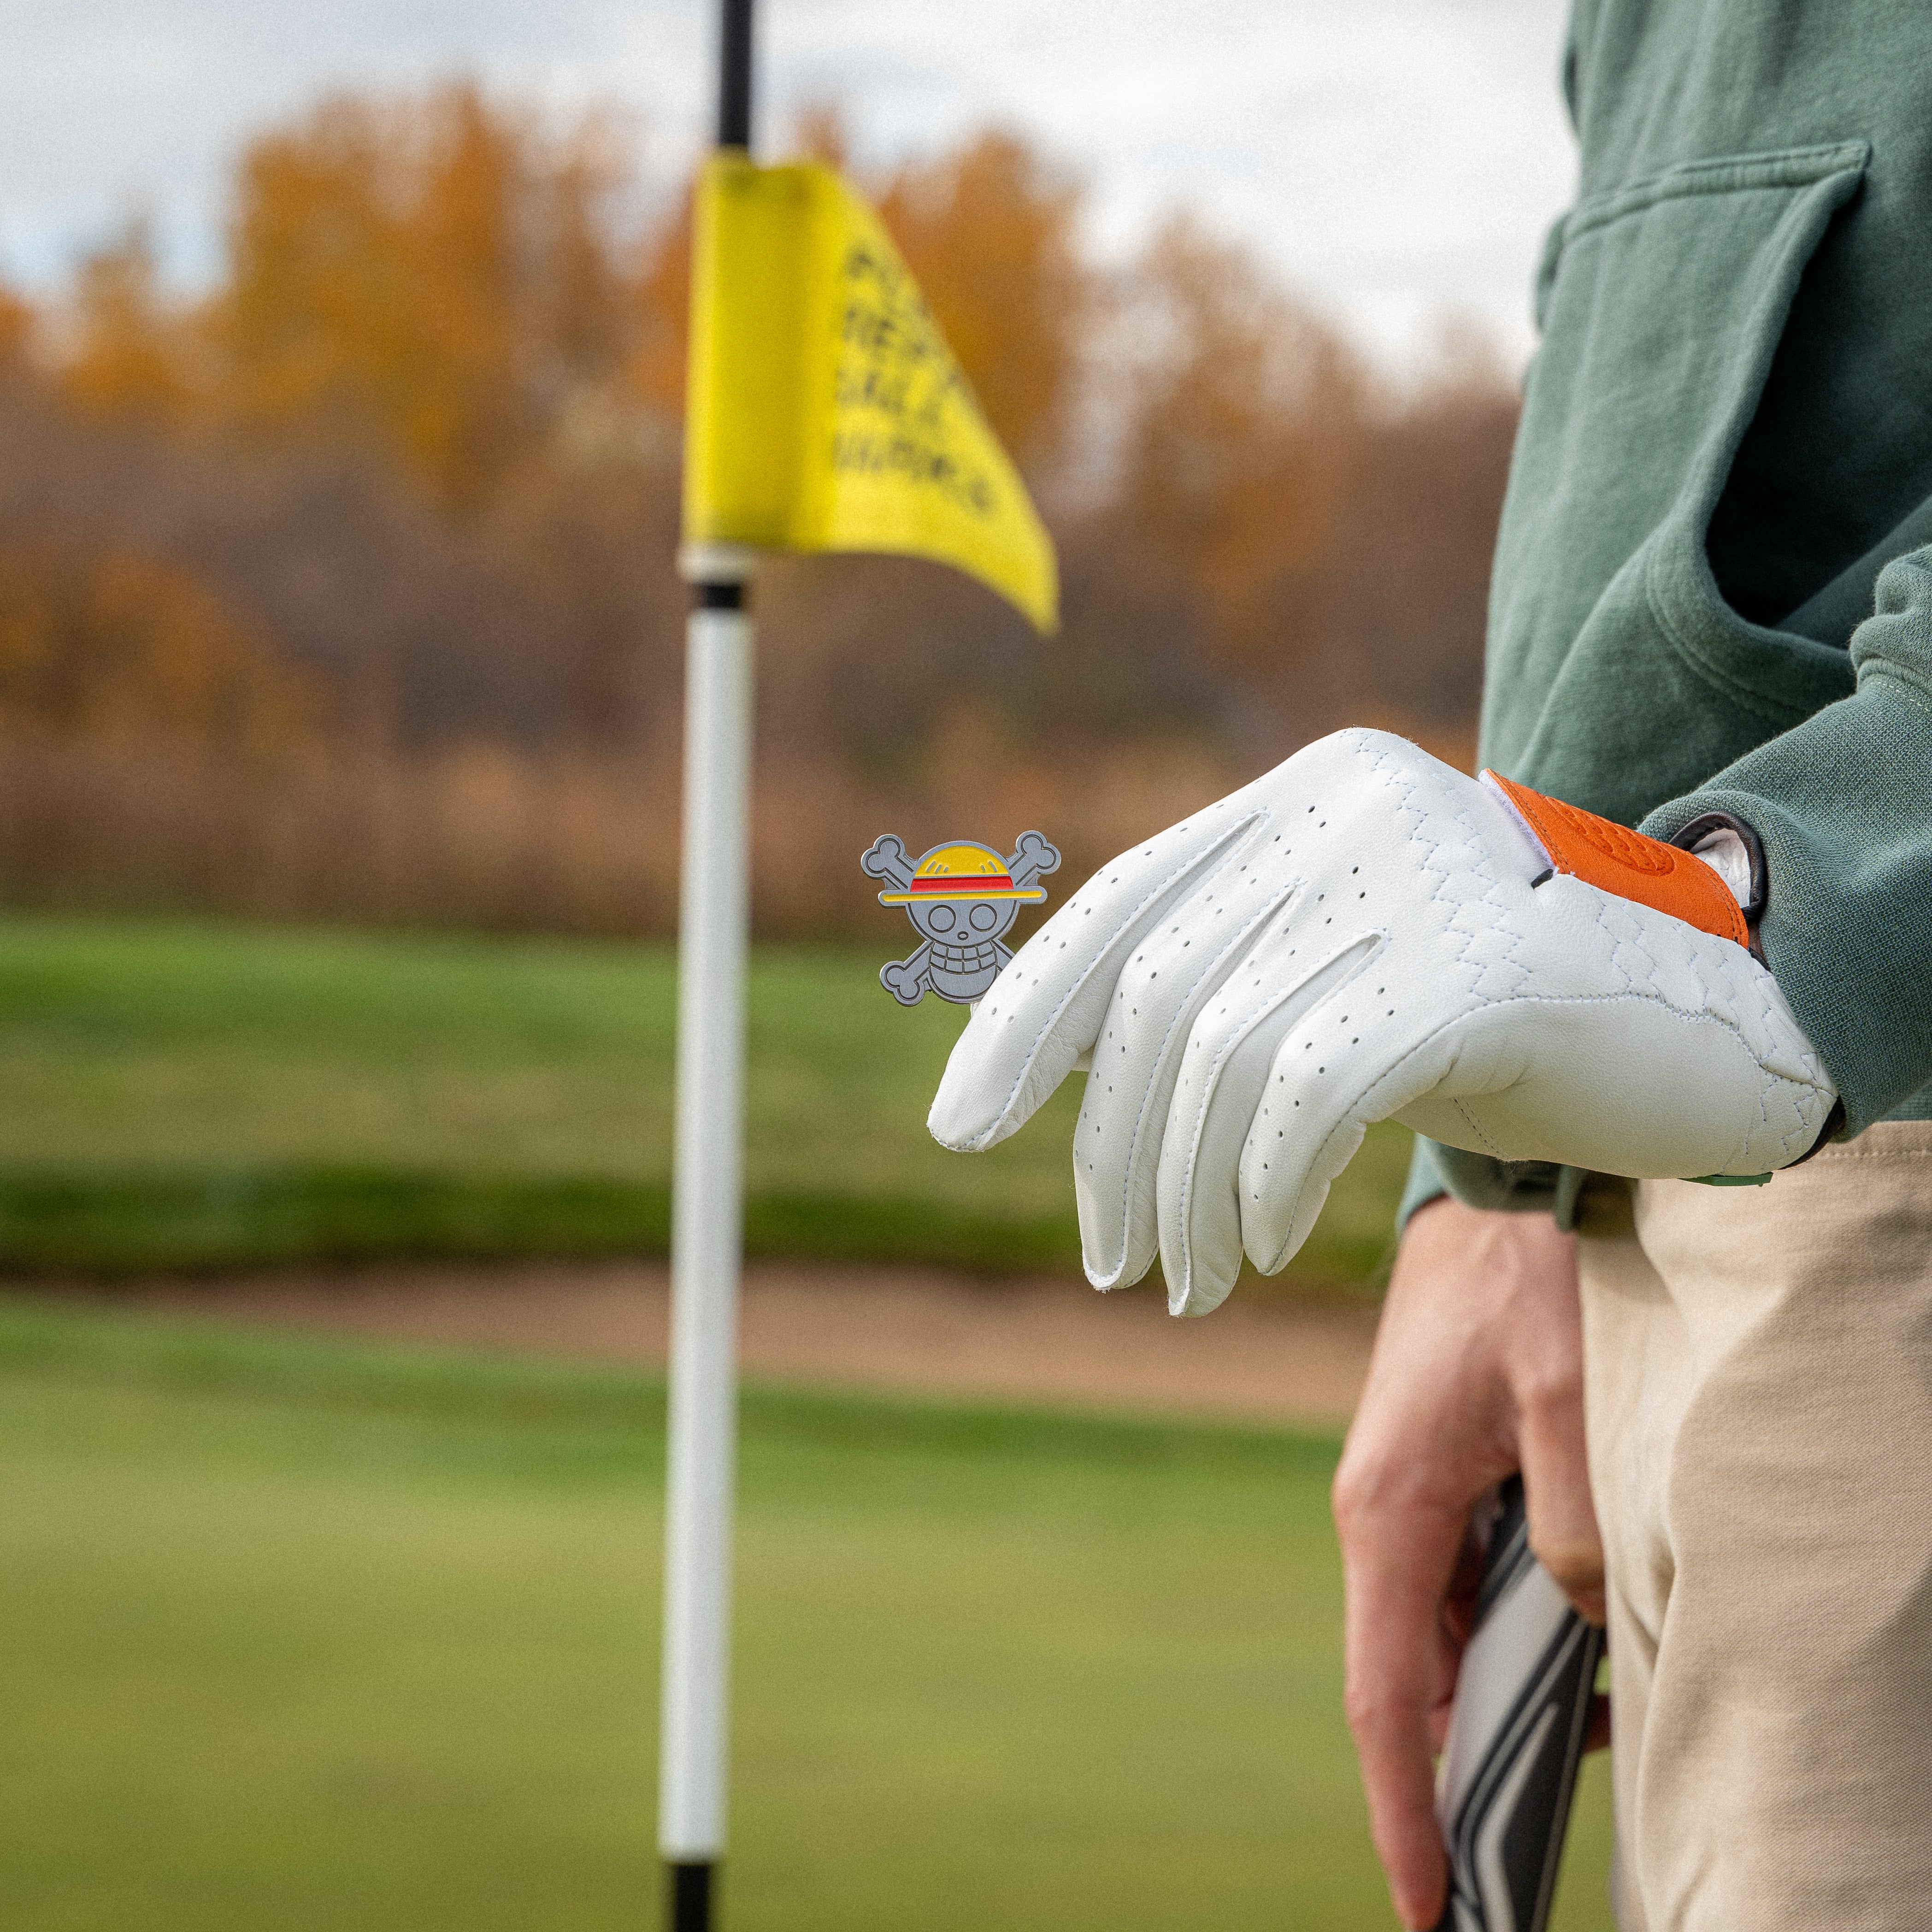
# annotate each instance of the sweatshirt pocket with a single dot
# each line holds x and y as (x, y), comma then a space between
(1618, 676)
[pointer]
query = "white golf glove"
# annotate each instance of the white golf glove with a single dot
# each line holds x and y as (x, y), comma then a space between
(1367, 934)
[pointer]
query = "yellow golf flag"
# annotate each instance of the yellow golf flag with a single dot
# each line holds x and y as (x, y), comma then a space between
(825, 411)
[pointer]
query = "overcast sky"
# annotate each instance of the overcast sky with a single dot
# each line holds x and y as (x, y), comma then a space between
(1397, 159)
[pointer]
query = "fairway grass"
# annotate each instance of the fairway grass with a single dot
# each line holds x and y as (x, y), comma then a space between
(187, 1096)
(320, 1636)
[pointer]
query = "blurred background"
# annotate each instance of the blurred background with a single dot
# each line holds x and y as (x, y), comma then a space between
(341, 367)
(337, 587)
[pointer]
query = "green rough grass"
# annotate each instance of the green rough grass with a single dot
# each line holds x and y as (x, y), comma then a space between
(324, 1636)
(190, 1096)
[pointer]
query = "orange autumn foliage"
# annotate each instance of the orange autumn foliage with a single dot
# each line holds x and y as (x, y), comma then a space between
(991, 233)
(18, 325)
(430, 275)
(114, 645)
(132, 352)
(655, 371)
(1246, 428)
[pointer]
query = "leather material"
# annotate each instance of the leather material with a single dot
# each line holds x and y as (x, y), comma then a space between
(1628, 864)
(1358, 936)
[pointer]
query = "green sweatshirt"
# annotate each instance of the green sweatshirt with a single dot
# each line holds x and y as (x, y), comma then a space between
(1710, 592)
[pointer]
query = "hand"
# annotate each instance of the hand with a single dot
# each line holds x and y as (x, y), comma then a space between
(1477, 1371)
(1366, 933)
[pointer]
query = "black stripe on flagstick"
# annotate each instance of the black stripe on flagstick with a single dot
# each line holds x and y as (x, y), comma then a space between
(734, 75)
(689, 1899)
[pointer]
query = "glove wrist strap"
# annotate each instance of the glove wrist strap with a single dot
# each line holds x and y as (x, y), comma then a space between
(1669, 878)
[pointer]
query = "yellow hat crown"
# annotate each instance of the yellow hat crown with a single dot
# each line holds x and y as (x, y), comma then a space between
(963, 870)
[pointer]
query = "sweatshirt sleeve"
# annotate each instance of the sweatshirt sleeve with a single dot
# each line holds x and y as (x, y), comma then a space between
(1843, 804)
(1478, 1181)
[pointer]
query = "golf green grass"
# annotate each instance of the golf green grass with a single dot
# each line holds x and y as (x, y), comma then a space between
(196, 1095)
(320, 1636)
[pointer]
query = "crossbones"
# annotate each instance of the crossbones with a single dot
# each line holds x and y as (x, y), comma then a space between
(961, 897)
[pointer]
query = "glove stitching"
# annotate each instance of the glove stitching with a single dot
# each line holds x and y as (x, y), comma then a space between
(1480, 865)
(1724, 1006)
(1181, 1013)
(1203, 858)
(1259, 1011)
(1474, 1126)
(1709, 999)
(1354, 1115)
(1407, 786)
(1764, 1121)
(1644, 987)
(1367, 748)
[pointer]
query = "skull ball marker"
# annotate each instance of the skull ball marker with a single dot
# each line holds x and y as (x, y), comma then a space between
(961, 897)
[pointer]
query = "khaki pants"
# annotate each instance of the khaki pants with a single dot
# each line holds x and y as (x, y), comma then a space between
(1759, 1365)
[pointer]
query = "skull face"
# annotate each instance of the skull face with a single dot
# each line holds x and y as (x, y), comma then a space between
(962, 923)
(961, 897)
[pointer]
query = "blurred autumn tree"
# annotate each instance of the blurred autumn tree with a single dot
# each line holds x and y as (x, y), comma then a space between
(132, 355)
(1322, 544)
(434, 276)
(119, 646)
(392, 508)
(1246, 423)
(17, 320)
(990, 232)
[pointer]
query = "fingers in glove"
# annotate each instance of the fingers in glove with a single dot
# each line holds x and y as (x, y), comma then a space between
(1045, 1010)
(1165, 984)
(1220, 1121)
(1335, 1073)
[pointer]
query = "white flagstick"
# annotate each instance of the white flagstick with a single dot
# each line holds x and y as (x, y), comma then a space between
(707, 1181)
(706, 1232)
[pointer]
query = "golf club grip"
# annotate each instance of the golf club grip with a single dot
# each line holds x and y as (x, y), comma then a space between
(1515, 1737)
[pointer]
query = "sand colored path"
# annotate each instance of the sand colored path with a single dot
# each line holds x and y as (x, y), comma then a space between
(1044, 1340)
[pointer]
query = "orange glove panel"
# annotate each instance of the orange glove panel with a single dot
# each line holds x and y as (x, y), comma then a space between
(1615, 860)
